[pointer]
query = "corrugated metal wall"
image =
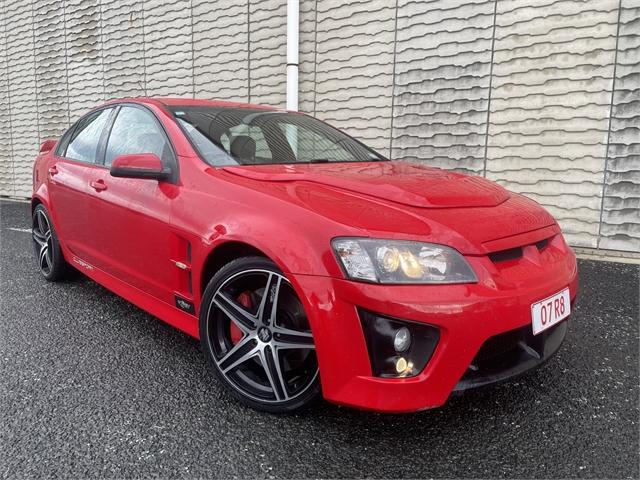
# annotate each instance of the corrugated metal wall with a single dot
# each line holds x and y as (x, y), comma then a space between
(542, 96)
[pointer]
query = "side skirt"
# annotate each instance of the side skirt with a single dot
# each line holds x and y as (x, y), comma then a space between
(167, 313)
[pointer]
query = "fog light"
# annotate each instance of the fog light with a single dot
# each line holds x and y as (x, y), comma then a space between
(397, 348)
(402, 340)
(401, 365)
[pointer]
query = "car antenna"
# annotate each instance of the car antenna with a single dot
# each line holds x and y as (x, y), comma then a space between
(144, 89)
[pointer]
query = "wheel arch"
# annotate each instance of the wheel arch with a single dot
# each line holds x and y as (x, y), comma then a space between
(299, 247)
(231, 249)
(35, 201)
(222, 254)
(41, 197)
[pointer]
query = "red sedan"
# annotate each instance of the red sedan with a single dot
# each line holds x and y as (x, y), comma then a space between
(306, 263)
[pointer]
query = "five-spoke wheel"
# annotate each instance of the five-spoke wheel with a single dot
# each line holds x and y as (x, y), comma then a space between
(42, 238)
(45, 241)
(255, 331)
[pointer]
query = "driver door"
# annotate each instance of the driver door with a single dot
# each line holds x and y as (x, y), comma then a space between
(130, 216)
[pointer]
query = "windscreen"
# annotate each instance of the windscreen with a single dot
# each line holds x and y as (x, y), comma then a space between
(227, 136)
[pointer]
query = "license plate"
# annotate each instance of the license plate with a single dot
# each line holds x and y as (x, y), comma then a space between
(546, 313)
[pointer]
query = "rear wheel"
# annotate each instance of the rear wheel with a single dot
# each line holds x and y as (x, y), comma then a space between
(51, 262)
(255, 333)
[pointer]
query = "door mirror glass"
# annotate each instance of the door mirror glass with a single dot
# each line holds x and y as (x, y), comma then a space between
(140, 165)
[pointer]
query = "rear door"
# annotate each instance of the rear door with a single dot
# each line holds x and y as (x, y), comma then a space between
(130, 217)
(74, 162)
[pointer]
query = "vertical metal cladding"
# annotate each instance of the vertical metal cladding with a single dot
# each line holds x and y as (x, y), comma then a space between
(220, 50)
(354, 68)
(550, 100)
(268, 52)
(123, 48)
(443, 71)
(620, 229)
(542, 96)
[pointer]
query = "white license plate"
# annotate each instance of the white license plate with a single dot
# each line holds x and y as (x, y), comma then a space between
(546, 313)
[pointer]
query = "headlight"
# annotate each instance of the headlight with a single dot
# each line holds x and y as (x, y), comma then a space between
(399, 261)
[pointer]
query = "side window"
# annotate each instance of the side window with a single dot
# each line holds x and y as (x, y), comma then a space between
(83, 144)
(136, 131)
(61, 149)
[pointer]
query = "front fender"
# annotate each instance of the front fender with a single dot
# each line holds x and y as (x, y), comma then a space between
(293, 249)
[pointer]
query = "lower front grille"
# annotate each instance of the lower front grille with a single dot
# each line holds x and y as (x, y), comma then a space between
(510, 354)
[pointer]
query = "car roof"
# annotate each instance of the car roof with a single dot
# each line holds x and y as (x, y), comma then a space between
(190, 102)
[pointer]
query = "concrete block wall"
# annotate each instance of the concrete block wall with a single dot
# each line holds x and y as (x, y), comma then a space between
(549, 119)
(221, 49)
(620, 221)
(354, 67)
(6, 147)
(442, 82)
(123, 49)
(22, 88)
(542, 96)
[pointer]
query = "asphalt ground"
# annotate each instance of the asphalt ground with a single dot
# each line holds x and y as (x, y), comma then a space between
(91, 386)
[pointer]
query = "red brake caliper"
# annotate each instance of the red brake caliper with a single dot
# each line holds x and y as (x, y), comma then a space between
(243, 299)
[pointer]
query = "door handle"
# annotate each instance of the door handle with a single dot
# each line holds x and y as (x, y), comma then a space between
(98, 185)
(53, 170)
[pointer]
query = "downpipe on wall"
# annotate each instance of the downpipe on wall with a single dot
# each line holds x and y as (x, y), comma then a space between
(293, 12)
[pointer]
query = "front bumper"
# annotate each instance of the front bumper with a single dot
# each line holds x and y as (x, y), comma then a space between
(467, 315)
(511, 354)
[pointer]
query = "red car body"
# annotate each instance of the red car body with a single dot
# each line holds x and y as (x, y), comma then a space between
(147, 240)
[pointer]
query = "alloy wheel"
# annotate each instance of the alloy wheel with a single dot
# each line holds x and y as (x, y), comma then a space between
(43, 242)
(260, 338)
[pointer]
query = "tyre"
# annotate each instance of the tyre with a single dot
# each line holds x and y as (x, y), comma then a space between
(256, 336)
(51, 262)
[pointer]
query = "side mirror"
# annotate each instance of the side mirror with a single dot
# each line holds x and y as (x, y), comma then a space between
(142, 165)
(47, 145)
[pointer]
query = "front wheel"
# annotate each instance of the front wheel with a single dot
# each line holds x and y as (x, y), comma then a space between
(255, 333)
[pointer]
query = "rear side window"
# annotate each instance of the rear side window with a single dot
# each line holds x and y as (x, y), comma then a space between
(61, 149)
(136, 131)
(83, 142)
